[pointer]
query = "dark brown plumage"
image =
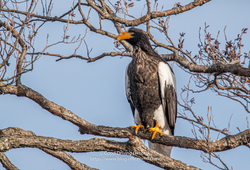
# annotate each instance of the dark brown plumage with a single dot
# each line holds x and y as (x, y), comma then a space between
(144, 85)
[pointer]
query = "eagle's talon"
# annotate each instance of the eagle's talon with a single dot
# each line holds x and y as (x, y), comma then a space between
(137, 127)
(156, 130)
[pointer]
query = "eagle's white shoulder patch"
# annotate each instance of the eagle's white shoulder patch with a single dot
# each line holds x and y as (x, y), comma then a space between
(166, 76)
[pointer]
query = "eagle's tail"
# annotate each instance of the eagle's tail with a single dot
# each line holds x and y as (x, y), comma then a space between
(163, 149)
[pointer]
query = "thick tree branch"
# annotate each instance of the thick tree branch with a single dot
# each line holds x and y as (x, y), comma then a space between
(65, 157)
(18, 138)
(226, 143)
(52, 107)
(219, 67)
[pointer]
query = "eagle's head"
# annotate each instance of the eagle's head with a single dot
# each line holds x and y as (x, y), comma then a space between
(135, 37)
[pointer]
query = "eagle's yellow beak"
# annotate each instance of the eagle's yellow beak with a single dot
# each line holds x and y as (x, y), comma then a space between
(124, 36)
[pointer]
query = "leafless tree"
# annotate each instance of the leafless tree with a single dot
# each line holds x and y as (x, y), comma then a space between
(223, 69)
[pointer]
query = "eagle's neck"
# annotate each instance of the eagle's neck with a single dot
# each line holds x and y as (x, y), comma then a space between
(140, 54)
(145, 47)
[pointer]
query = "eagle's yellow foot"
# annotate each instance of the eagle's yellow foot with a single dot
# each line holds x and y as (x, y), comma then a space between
(155, 129)
(137, 127)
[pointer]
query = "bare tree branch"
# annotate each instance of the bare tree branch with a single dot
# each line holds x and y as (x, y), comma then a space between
(6, 162)
(114, 18)
(219, 67)
(65, 157)
(18, 138)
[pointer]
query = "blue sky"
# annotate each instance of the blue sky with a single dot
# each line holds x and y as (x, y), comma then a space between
(95, 91)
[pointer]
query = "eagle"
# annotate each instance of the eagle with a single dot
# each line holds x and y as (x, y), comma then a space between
(150, 88)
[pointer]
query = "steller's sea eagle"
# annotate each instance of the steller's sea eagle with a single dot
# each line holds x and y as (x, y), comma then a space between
(150, 89)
